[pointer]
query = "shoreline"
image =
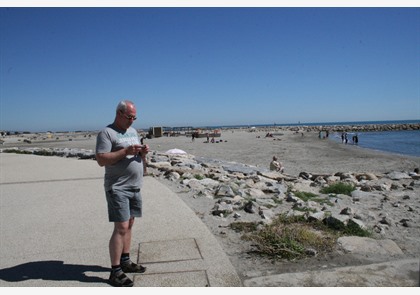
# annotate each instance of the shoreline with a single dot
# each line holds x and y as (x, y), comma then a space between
(299, 152)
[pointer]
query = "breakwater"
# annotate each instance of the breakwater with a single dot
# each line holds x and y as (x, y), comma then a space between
(334, 128)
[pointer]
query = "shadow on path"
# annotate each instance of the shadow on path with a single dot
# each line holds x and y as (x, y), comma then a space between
(52, 270)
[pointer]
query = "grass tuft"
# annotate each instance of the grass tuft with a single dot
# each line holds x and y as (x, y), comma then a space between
(291, 237)
(338, 188)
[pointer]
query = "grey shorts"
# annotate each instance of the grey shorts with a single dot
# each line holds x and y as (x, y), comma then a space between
(123, 204)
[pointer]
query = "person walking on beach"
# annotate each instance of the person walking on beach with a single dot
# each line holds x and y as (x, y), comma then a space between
(275, 165)
(118, 149)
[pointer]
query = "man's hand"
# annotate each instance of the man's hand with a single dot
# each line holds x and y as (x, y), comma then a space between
(133, 149)
(143, 150)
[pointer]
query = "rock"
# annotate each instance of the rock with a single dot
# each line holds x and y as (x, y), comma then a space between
(363, 245)
(250, 208)
(395, 175)
(224, 190)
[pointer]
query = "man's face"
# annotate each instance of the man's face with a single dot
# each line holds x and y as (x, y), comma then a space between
(126, 119)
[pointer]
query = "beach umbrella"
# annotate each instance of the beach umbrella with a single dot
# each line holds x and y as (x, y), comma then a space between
(175, 151)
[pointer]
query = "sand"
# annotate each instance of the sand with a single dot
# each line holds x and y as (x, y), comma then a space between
(298, 153)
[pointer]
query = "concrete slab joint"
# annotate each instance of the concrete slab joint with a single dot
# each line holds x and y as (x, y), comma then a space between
(172, 263)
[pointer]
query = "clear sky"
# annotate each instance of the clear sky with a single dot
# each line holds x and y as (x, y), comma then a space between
(67, 68)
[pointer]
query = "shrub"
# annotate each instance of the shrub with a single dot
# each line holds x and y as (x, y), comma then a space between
(305, 196)
(289, 238)
(199, 176)
(241, 226)
(338, 188)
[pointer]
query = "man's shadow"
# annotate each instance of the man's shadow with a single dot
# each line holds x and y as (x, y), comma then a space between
(52, 270)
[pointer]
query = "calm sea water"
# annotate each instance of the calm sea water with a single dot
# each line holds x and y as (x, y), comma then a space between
(399, 142)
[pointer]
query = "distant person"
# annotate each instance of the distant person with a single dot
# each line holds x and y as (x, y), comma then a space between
(344, 137)
(118, 149)
(192, 137)
(356, 139)
(275, 165)
(415, 172)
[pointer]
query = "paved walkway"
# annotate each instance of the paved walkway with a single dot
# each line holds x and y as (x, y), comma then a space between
(54, 230)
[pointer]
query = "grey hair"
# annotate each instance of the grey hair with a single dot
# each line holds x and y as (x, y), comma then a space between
(122, 105)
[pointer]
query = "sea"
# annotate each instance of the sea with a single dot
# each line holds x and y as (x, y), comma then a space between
(404, 142)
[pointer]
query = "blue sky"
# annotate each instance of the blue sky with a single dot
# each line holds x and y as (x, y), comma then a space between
(67, 68)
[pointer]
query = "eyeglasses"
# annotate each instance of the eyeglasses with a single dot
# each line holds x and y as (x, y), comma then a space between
(129, 117)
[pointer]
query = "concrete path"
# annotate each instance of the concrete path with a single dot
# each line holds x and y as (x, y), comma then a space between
(54, 230)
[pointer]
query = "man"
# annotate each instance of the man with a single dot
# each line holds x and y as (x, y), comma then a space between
(119, 150)
(276, 165)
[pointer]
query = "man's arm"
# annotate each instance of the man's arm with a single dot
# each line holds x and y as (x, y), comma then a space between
(106, 159)
(143, 152)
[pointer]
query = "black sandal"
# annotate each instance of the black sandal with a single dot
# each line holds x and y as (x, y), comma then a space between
(132, 267)
(120, 279)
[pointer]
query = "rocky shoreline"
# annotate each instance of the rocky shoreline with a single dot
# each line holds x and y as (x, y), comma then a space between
(387, 204)
(351, 128)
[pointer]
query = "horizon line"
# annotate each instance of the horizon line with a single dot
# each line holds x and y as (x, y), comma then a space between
(344, 123)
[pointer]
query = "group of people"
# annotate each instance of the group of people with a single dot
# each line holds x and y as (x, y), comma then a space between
(193, 136)
(322, 135)
(210, 140)
(344, 138)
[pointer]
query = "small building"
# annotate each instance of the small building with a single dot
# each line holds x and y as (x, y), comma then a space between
(155, 132)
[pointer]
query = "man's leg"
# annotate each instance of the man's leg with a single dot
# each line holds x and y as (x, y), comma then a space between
(127, 237)
(127, 265)
(116, 245)
(118, 240)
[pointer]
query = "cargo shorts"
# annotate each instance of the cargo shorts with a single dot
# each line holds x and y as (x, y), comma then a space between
(123, 204)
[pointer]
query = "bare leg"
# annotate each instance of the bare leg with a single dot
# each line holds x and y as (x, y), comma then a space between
(118, 241)
(127, 236)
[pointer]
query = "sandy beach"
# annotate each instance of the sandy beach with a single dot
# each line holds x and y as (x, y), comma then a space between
(298, 153)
